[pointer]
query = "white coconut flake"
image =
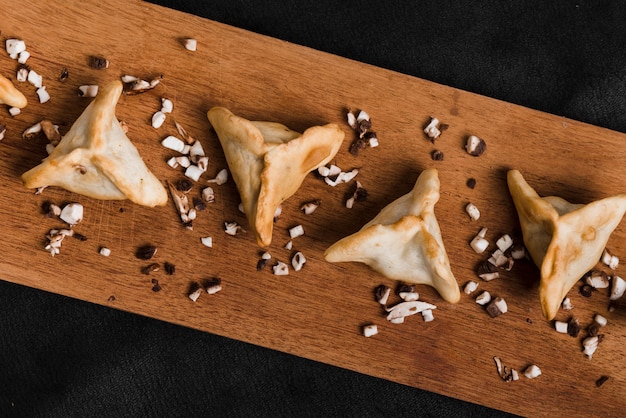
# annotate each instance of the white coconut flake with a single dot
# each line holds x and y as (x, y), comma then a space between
(35, 79)
(173, 143)
(43, 95)
(158, 119)
(296, 231)
(220, 178)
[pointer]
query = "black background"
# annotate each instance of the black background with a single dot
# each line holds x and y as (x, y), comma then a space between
(61, 357)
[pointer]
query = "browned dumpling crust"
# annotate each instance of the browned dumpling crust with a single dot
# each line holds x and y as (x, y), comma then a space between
(269, 161)
(403, 242)
(565, 240)
(96, 159)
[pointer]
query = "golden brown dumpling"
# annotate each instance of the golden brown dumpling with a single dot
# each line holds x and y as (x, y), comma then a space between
(96, 159)
(565, 240)
(269, 162)
(403, 242)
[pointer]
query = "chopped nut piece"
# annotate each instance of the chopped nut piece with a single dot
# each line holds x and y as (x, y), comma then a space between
(504, 242)
(289, 245)
(602, 380)
(221, 178)
(479, 244)
(182, 205)
(105, 251)
(150, 268)
(470, 287)
(173, 143)
(487, 271)
(610, 260)
(207, 241)
(14, 47)
(499, 259)
(404, 309)
(32, 131)
(618, 286)
(157, 286)
(51, 131)
(232, 228)
(370, 330)
(532, 371)
(427, 315)
(359, 195)
(432, 129)
(507, 374)
(23, 57)
(208, 195)
(190, 44)
(296, 231)
(184, 185)
(213, 286)
(43, 94)
(99, 63)
(518, 252)
(561, 326)
(586, 290)
(22, 73)
(566, 305)
(194, 172)
(351, 120)
(497, 307)
(600, 320)
(436, 155)
(166, 105)
(475, 146)
(146, 252)
(134, 85)
(3, 131)
(471, 183)
(14, 111)
(472, 211)
(381, 293)
(409, 296)
(280, 269)
(169, 268)
(158, 119)
(597, 279)
(35, 79)
(573, 327)
(195, 294)
(590, 345)
(260, 265)
(297, 261)
(64, 74)
(309, 207)
(484, 298)
(72, 213)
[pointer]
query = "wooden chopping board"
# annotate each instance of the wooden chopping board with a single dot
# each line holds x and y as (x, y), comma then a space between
(316, 313)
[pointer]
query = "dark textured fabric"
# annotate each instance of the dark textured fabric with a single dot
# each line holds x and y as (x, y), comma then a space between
(65, 358)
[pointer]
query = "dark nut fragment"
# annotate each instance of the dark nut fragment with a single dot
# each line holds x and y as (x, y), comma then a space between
(573, 327)
(593, 329)
(198, 203)
(184, 185)
(99, 63)
(437, 155)
(381, 293)
(586, 290)
(487, 271)
(475, 146)
(262, 263)
(64, 74)
(150, 268)
(146, 252)
(111, 298)
(169, 268)
(50, 210)
(156, 286)
(497, 307)
(602, 380)
(471, 183)
(79, 236)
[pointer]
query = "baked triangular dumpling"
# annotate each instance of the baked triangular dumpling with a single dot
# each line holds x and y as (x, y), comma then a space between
(403, 242)
(269, 162)
(96, 159)
(9, 95)
(565, 240)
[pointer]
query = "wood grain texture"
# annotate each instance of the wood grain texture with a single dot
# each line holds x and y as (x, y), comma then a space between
(316, 313)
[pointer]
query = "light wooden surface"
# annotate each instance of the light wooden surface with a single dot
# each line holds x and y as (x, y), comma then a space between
(316, 313)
